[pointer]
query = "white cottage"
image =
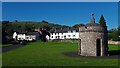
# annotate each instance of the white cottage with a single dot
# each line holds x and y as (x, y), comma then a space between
(29, 36)
(71, 33)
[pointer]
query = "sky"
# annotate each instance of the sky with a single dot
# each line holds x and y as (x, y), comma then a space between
(63, 13)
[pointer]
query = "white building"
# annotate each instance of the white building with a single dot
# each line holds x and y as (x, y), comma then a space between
(29, 36)
(71, 33)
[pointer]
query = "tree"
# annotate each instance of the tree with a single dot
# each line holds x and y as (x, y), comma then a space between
(114, 34)
(44, 21)
(16, 20)
(102, 21)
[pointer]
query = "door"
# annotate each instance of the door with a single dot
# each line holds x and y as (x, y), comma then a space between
(98, 44)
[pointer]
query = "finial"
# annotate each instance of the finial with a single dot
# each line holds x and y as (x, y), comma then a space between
(93, 14)
(93, 19)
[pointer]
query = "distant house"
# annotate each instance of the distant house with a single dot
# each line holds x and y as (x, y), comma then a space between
(29, 36)
(71, 33)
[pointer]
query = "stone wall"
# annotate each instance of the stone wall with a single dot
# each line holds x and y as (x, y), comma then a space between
(88, 43)
(113, 42)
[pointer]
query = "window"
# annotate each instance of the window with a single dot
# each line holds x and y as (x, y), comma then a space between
(52, 37)
(27, 37)
(58, 37)
(73, 35)
(68, 35)
(19, 38)
(64, 36)
(30, 37)
(55, 36)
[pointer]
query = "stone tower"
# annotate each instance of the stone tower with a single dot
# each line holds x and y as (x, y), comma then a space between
(93, 39)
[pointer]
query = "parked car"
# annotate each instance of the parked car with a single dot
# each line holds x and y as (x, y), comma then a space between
(23, 42)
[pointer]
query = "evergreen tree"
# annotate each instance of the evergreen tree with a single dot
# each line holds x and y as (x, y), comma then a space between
(102, 21)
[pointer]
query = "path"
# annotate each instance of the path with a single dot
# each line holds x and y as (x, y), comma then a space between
(9, 48)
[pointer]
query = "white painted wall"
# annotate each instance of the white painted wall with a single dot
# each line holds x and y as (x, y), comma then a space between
(69, 35)
(14, 35)
(23, 36)
(20, 36)
(30, 37)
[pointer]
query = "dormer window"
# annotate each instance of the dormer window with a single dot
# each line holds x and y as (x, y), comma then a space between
(74, 30)
(69, 31)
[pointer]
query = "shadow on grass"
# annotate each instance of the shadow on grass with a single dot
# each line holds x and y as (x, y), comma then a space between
(114, 52)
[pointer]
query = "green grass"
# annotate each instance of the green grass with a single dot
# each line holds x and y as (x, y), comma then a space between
(6, 45)
(114, 47)
(50, 54)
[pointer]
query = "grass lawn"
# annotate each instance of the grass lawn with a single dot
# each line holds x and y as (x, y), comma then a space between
(51, 54)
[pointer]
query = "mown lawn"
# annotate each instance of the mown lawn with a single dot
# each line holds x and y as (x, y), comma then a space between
(51, 54)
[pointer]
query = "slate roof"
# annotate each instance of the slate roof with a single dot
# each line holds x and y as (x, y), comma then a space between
(31, 33)
(21, 32)
(64, 30)
(27, 33)
(92, 24)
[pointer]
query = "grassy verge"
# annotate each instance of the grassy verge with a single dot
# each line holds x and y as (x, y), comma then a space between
(50, 54)
(5, 45)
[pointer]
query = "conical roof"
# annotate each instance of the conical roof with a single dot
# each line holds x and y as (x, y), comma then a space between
(92, 22)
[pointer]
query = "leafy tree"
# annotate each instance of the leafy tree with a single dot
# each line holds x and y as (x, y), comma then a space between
(114, 34)
(102, 21)
(44, 21)
(109, 36)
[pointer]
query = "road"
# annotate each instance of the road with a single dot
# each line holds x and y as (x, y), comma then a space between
(9, 48)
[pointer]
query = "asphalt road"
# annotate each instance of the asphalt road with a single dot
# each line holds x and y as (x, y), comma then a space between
(9, 48)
